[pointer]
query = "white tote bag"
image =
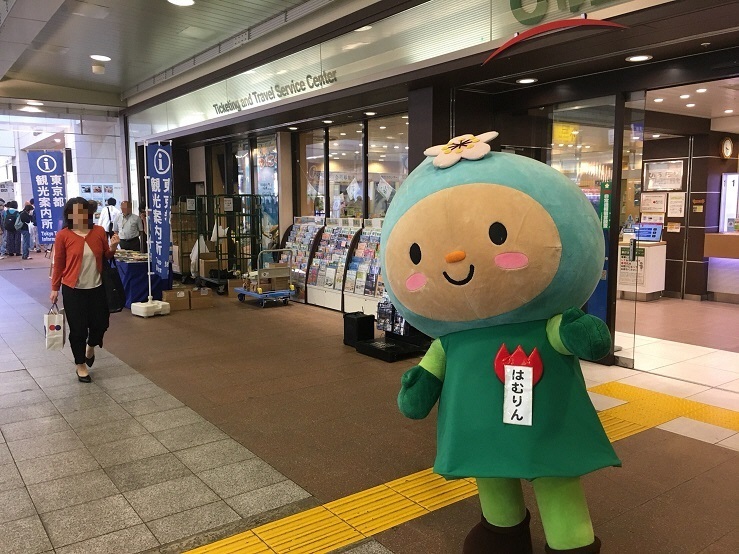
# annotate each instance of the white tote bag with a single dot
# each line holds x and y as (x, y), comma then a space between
(54, 328)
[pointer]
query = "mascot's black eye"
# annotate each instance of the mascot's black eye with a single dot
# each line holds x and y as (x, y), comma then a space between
(415, 253)
(497, 232)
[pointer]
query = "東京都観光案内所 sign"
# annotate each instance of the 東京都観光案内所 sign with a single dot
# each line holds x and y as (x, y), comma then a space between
(49, 191)
(159, 169)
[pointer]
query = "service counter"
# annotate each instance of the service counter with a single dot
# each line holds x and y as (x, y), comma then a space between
(644, 278)
(722, 249)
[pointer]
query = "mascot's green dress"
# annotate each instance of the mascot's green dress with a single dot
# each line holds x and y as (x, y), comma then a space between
(493, 254)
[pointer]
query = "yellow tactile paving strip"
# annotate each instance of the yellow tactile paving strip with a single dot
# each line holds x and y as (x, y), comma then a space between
(366, 513)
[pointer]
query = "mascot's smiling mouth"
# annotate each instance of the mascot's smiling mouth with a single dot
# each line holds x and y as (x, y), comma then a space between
(463, 281)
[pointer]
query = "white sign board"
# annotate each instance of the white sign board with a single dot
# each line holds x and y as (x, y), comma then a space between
(654, 202)
(676, 204)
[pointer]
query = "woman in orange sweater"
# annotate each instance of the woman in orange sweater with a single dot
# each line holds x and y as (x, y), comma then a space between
(79, 250)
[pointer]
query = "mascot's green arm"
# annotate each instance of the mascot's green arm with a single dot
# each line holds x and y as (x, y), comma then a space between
(576, 333)
(421, 385)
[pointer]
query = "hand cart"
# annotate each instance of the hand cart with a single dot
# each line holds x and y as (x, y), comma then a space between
(276, 274)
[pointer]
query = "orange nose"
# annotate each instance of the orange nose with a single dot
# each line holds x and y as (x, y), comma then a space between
(456, 256)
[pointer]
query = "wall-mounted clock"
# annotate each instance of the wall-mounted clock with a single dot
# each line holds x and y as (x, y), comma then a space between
(727, 147)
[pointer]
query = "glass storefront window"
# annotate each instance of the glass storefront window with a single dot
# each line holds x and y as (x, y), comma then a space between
(243, 163)
(388, 161)
(311, 184)
(346, 171)
(266, 165)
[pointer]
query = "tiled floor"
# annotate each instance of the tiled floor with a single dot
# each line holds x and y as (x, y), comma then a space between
(237, 415)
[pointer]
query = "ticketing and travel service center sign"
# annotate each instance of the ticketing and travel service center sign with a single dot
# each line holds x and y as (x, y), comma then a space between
(277, 91)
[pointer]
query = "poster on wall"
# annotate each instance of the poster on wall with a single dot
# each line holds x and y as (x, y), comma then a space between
(654, 202)
(49, 191)
(663, 175)
(267, 189)
(159, 168)
(7, 190)
(676, 204)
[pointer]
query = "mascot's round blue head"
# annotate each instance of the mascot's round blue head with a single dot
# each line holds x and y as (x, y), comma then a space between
(475, 238)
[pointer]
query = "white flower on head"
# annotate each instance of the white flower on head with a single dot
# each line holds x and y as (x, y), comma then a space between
(469, 147)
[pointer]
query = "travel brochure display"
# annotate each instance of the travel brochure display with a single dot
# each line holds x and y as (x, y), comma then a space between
(328, 266)
(364, 285)
(300, 240)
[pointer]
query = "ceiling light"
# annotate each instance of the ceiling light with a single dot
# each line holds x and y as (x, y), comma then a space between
(384, 145)
(705, 44)
(689, 105)
(728, 111)
(34, 103)
(579, 145)
(343, 134)
(406, 148)
(343, 153)
(327, 121)
(353, 46)
(575, 132)
(293, 128)
(383, 127)
(336, 144)
(373, 146)
(701, 90)
(362, 29)
(370, 113)
(587, 146)
(356, 151)
(659, 99)
(406, 123)
(57, 140)
(32, 109)
(281, 72)
(569, 146)
(684, 96)
(100, 58)
(403, 117)
(359, 131)
(396, 147)
(656, 136)
(181, 2)
(639, 58)
(560, 145)
(526, 81)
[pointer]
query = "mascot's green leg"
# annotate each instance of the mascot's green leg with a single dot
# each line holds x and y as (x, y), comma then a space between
(565, 516)
(504, 527)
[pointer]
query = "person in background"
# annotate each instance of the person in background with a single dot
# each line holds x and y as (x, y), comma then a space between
(13, 241)
(129, 228)
(3, 234)
(35, 245)
(144, 223)
(79, 250)
(108, 216)
(27, 218)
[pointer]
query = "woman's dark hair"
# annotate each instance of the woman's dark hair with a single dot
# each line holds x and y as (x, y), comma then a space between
(12, 204)
(69, 209)
(27, 208)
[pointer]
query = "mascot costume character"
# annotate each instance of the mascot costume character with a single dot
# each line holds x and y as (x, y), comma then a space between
(492, 254)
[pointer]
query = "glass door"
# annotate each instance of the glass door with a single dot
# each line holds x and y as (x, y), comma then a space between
(632, 227)
(584, 139)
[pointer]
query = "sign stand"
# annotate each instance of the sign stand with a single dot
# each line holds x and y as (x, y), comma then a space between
(151, 307)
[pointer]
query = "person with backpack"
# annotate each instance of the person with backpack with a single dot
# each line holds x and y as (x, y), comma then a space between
(3, 234)
(109, 216)
(26, 219)
(12, 227)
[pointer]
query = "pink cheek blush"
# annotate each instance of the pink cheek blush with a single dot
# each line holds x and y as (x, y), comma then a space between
(511, 260)
(415, 281)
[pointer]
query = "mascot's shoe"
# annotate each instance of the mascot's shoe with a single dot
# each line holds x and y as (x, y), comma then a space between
(486, 538)
(593, 548)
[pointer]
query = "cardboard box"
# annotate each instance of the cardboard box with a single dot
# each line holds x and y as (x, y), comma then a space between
(201, 298)
(234, 283)
(280, 283)
(178, 299)
(208, 261)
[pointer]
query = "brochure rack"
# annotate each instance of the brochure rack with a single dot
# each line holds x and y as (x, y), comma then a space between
(302, 238)
(329, 262)
(363, 286)
(233, 224)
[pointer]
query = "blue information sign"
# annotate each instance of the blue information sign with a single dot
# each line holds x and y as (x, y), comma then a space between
(159, 166)
(49, 191)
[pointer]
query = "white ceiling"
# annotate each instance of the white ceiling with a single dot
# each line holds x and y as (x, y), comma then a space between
(711, 104)
(51, 40)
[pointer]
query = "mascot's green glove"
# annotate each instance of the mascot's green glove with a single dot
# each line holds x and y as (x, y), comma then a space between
(419, 392)
(584, 335)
